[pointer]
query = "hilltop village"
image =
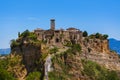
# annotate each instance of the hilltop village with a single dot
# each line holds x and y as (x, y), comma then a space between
(57, 37)
(73, 36)
(62, 55)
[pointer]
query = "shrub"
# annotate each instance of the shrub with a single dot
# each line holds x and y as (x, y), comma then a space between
(34, 76)
(19, 34)
(92, 36)
(13, 43)
(97, 72)
(53, 50)
(98, 35)
(32, 36)
(68, 43)
(85, 34)
(76, 47)
(56, 76)
(105, 36)
(25, 33)
(59, 74)
(5, 75)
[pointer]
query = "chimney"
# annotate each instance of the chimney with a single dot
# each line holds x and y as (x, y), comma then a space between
(52, 24)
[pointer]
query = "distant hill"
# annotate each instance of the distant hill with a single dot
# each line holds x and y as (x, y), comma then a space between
(114, 45)
(5, 51)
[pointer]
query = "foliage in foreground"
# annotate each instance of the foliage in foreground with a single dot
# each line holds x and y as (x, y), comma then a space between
(4, 74)
(34, 76)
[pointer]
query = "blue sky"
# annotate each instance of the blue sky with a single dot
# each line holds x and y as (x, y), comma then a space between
(91, 15)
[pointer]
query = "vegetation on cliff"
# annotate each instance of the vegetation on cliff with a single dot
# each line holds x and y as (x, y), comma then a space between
(34, 76)
(98, 36)
(96, 72)
(29, 54)
(70, 66)
(25, 37)
(85, 34)
(4, 74)
(31, 61)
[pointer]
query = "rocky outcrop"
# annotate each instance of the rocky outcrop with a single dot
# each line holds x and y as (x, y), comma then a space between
(98, 50)
(95, 45)
(32, 47)
(110, 61)
(31, 56)
(16, 67)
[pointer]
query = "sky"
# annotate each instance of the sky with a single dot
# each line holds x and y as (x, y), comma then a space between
(94, 16)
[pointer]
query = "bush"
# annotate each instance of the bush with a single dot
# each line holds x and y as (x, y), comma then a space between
(25, 33)
(98, 35)
(96, 72)
(34, 76)
(13, 43)
(76, 48)
(4, 74)
(56, 76)
(112, 76)
(92, 36)
(59, 74)
(32, 36)
(85, 34)
(68, 43)
(53, 50)
(105, 36)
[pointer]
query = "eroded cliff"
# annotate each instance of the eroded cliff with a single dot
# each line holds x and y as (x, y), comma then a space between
(69, 57)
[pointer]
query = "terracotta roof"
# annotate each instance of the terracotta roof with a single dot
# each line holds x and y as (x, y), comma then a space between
(72, 28)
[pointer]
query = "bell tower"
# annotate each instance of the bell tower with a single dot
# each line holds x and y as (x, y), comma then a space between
(52, 24)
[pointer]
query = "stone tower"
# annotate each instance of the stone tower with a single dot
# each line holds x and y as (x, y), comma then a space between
(52, 24)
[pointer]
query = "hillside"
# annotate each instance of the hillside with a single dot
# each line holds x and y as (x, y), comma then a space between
(53, 54)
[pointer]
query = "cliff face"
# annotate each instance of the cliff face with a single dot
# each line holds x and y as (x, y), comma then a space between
(95, 45)
(31, 56)
(70, 66)
(67, 55)
(16, 67)
(98, 50)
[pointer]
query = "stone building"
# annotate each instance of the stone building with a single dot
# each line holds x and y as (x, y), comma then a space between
(55, 37)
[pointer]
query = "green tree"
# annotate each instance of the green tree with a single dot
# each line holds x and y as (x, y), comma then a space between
(32, 36)
(76, 48)
(53, 50)
(25, 33)
(13, 43)
(4, 74)
(105, 36)
(18, 34)
(34, 76)
(85, 34)
(98, 35)
(97, 72)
